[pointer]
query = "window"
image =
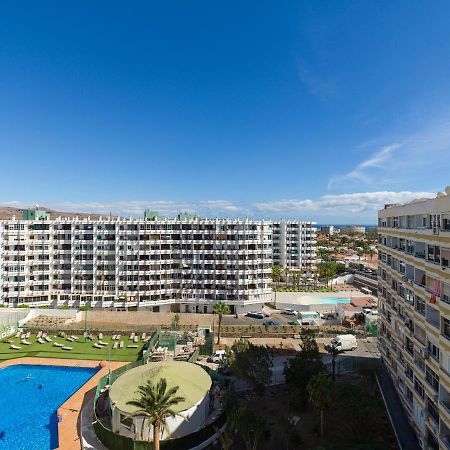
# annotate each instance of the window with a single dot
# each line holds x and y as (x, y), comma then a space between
(409, 372)
(445, 328)
(432, 410)
(420, 306)
(432, 378)
(418, 387)
(433, 350)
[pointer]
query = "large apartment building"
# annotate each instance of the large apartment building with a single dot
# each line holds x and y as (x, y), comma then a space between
(294, 245)
(184, 264)
(414, 301)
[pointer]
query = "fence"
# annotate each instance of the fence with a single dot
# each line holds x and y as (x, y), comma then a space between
(115, 441)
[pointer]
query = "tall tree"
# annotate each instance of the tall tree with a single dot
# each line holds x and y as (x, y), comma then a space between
(327, 270)
(156, 404)
(220, 308)
(276, 273)
(252, 363)
(299, 370)
(320, 392)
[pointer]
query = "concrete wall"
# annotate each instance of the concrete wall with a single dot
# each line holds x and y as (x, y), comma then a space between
(69, 314)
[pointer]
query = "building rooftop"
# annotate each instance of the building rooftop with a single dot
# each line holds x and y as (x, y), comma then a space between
(194, 383)
(363, 302)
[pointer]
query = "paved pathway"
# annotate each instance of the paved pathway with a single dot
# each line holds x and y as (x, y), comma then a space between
(404, 432)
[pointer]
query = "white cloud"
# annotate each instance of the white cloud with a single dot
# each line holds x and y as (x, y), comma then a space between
(343, 208)
(354, 203)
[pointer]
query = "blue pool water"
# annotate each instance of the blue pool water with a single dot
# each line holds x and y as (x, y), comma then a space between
(29, 398)
(333, 301)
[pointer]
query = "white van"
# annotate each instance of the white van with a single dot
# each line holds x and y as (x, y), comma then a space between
(217, 356)
(343, 342)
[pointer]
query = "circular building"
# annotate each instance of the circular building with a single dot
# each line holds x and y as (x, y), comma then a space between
(193, 383)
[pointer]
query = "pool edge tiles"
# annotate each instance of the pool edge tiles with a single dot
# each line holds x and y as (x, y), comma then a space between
(69, 411)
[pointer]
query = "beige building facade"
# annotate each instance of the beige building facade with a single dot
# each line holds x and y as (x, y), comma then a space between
(414, 304)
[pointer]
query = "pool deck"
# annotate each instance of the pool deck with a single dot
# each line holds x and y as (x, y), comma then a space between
(69, 411)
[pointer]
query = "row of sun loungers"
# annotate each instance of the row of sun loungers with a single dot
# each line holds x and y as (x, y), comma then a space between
(116, 337)
(135, 338)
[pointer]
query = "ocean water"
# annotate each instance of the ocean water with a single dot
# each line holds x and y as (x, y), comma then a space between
(30, 396)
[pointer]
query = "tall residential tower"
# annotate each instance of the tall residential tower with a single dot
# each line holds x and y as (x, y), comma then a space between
(414, 301)
(184, 264)
(294, 245)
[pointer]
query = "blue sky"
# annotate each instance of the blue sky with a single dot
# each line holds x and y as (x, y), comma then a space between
(314, 110)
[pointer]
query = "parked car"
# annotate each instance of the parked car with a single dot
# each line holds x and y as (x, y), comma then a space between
(309, 323)
(217, 356)
(255, 315)
(289, 312)
(271, 323)
(343, 342)
(328, 316)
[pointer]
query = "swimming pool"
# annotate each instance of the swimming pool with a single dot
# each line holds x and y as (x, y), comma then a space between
(332, 300)
(29, 398)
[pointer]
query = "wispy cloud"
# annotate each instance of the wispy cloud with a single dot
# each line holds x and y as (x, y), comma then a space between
(351, 207)
(403, 161)
(366, 171)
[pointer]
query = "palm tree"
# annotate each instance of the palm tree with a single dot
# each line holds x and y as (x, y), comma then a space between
(276, 277)
(220, 308)
(155, 404)
(371, 252)
(320, 393)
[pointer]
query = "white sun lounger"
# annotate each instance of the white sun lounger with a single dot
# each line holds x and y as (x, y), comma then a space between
(135, 339)
(132, 346)
(100, 336)
(15, 347)
(121, 344)
(41, 341)
(116, 345)
(97, 345)
(48, 339)
(57, 344)
(25, 342)
(66, 348)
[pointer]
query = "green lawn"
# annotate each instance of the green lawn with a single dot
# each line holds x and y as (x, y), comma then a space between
(80, 350)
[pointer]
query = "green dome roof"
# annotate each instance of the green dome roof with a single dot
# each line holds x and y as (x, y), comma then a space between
(194, 383)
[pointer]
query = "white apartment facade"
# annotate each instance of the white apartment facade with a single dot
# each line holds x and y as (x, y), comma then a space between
(414, 303)
(294, 245)
(181, 265)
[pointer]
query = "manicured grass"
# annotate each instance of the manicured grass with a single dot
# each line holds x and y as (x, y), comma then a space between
(80, 349)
